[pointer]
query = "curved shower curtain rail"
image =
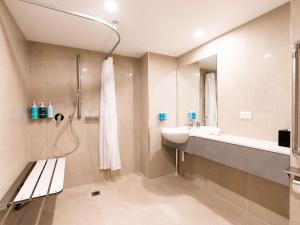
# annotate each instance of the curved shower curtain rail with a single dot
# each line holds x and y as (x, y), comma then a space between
(81, 15)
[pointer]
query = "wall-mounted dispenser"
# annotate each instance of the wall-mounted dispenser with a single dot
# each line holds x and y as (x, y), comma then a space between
(42, 111)
(162, 116)
(34, 112)
(192, 115)
(50, 111)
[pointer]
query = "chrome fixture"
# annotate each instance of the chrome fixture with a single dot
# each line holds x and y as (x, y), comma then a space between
(295, 104)
(113, 26)
(57, 152)
(78, 91)
(176, 162)
(190, 124)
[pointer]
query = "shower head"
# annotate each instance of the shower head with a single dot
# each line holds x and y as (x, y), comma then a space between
(115, 24)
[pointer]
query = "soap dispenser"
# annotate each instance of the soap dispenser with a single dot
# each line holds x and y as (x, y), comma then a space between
(34, 112)
(50, 111)
(42, 111)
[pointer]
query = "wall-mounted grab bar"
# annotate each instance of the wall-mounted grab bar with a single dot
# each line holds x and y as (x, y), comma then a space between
(81, 15)
(295, 104)
(78, 91)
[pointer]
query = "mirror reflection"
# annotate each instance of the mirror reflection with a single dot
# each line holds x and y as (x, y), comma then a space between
(197, 93)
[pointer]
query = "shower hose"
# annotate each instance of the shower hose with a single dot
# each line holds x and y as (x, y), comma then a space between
(68, 124)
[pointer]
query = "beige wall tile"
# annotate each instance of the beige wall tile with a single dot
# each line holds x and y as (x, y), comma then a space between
(295, 36)
(162, 96)
(14, 151)
(266, 200)
(144, 116)
(53, 78)
(243, 73)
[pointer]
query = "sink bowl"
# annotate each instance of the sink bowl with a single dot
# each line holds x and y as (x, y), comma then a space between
(178, 135)
(206, 130)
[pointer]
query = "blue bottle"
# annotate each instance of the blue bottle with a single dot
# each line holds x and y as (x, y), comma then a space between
(162, 116)
(192, 115)
(34, 112)
(50, 111)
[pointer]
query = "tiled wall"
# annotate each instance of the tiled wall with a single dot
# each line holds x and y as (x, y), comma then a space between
(144, 116)
(158, 93)
(162, 96)
(14, 153)
(249, 80)
(265, 199)
(254, 74)
(295, 36)
(52, 71)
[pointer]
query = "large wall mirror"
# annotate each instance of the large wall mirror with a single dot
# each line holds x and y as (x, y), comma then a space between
(197, 100)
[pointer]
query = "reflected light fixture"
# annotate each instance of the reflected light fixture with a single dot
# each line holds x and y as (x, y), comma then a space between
(199, 33)
(111, 6)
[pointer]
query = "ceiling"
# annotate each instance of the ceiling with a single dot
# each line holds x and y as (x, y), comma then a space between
(209, 63)
(161, 26)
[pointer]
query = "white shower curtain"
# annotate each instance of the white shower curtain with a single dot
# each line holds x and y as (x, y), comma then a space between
(108, 130)
(211, 112)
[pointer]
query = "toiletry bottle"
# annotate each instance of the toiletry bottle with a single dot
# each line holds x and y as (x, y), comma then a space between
(42, 111)
(50, 111)
(34, 112)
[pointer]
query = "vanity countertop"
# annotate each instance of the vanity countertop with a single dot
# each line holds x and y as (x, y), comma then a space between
(271, 146)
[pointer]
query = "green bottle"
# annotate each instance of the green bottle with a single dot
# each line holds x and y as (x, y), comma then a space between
(34, 112)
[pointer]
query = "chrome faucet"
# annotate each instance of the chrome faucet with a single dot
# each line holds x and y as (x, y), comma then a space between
(190, 124)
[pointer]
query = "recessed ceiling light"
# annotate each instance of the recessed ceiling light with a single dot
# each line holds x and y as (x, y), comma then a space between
(199, 33)
(267, 55)
(111, 6)
(130, 74)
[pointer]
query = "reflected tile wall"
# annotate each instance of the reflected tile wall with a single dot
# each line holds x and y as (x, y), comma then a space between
(14, 151)
(188, 93)
(52, 72)
(254, 70)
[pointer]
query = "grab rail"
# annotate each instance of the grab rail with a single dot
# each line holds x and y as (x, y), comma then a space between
(295, 97)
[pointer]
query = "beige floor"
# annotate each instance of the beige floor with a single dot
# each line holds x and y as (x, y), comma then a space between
(135, 200)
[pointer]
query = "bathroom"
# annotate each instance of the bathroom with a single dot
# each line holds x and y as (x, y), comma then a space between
(149, 112)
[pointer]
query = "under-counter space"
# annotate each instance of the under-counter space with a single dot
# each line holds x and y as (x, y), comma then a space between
(266, 160)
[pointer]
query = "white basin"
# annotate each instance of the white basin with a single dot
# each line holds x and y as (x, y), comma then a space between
(205, 130)
(178, 135)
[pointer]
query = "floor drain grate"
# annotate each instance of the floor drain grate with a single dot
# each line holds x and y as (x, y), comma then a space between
(95, 193)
